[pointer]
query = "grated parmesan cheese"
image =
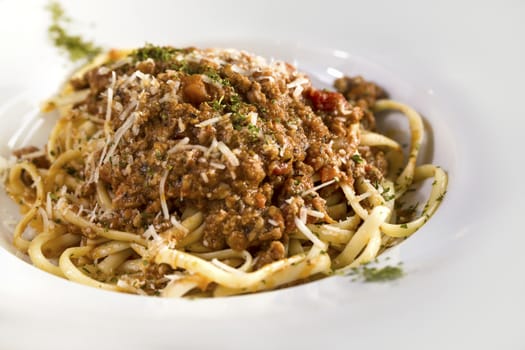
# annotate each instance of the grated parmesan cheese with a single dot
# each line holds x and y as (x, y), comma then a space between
(182, 142)
(178, 225)
(253, 118)
(93, 214)
(103, 70)
(181, 125)
(217, 165)
(212, 147)
(210, 81)
(297, 82)
(228, 154)
(110, 99)
(239, 70)
(273, 222)
(303, 214)
(315, 213)
(127, 110)
(363, 196)
(207, 122)
(306, 231)
(298, 91)
(316, 188)
(152, 234)
(118, 135)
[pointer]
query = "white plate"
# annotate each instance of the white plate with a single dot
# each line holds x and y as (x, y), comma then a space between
(464, 282)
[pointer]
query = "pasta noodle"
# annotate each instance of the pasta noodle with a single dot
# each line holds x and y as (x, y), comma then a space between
(174, 232)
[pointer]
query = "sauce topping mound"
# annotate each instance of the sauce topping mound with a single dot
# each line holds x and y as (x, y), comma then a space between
(249, 143)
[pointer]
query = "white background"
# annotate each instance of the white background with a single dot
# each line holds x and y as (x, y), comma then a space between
(468, 292)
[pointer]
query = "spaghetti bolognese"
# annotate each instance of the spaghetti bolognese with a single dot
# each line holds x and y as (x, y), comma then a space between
(211, 172)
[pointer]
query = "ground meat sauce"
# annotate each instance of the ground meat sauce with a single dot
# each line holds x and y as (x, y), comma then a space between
(239, 139)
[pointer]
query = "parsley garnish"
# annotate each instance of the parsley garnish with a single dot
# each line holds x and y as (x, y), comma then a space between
(74, 45)
(374, 274)
(386, 196)
(156, 53)
(387, 273)
(214, 75)
(357, 158)
(217, 104)
(253, 130)
(235, 103)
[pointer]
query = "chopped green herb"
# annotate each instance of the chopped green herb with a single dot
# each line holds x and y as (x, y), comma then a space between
(57, 12)
(386, 196)
(238, 120)
(235, 103)
(217, 104)
(184, 67)
(389, 197)
(254, 131)
(387, 273)
(357, 158)
(74, 45)
(404, 226)
(156, 53)
(215, 76)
